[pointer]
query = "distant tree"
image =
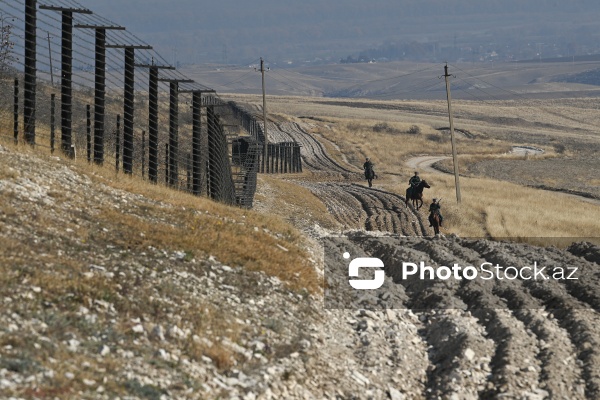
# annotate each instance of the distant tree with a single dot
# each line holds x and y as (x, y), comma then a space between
(6, 46)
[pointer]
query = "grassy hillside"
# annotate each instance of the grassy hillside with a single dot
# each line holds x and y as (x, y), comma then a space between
(112, 286)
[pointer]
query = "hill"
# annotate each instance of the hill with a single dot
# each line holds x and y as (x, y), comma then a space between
(408, 80)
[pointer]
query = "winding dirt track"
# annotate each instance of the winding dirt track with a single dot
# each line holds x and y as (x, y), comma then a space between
(512, 339)
(354, 206)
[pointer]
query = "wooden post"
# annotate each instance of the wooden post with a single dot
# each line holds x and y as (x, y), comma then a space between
(454, 153)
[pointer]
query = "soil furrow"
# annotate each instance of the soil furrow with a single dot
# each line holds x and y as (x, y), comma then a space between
(576, 317)
(561, 375)
(459, 352)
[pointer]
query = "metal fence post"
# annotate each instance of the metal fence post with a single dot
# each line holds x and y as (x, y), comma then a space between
(143, 153)
(30, 71)
(16, 111)
(118, 142)
(88, 132)
(52, 121)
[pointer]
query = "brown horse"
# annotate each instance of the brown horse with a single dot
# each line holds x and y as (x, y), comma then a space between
(416, 194)
(370, 175)
(435, 222)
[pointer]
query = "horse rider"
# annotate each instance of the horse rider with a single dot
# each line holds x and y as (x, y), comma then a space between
(435, 208)
(368, 164)
(368, 167)
(414, 182)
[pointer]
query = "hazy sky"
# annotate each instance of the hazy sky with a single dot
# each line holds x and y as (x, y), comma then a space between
(236, 30)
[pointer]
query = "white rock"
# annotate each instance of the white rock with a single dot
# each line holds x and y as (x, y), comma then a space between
(360, 378)
(174, 332)
(395, 394)
(469, 354)
(158, 333)
(73, 344)
(104, 351)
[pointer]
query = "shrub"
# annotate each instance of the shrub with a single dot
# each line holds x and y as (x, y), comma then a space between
(438, 138)
(381, 127)
(560, 148)
(414, 130)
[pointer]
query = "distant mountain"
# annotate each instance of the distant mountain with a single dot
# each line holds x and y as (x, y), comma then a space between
(235, 31)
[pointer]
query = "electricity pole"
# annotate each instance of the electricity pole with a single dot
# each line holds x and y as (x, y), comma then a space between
(266, 141)
(454, 155)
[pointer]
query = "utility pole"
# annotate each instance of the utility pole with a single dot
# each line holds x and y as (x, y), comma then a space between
(266, 141)
(454, 155)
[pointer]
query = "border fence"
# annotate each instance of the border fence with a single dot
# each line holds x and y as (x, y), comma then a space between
(74, 82)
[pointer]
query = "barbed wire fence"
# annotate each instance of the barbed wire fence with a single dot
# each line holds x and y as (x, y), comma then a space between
(76, 83)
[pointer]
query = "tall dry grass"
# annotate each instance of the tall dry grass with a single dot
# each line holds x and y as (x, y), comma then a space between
(497, 209)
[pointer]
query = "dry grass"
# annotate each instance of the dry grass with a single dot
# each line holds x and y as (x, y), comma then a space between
(235, 236)
(358, 139)
(294, 203)
(487, 211)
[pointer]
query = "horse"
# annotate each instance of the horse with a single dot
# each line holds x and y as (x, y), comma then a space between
(370, 175)
(416, 195)
(435, 222)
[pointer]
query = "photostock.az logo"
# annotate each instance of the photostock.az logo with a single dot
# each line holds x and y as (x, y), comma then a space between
(365, 262)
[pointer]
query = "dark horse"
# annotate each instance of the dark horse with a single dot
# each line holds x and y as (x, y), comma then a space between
(435, 222)
(416, 194)
(370, 175)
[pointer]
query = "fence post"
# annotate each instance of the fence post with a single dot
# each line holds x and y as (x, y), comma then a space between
(30, 71)
(285, 158)
(16, 111)
(294, 163)
(167, 164)
(128, 108)
(153, 125)
(173, 133)
(196, 141)
(99, 95)
(88, 132)
(66, 101)
(298, 158)
(189, 172)
(143, 153)
(118, 142)
(208, 194)
(52, 121)
(66, 81)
